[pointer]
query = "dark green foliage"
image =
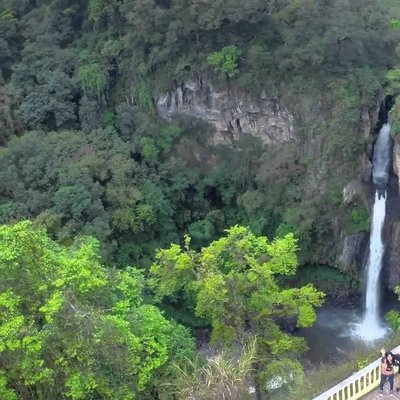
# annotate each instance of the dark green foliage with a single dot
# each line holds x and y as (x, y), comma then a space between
(48, 103)
(89, 114)
(201, 231)
(85, 153)
(125, 120)
(86, 75)
(65, 174)
(332, 281)
(72, 201)
(320, 273)
(360, 220)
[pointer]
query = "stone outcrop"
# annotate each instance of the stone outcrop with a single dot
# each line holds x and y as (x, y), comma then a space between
(352, 248)
(393, 256)
(368, 122)
(366, 169)
(396, 160)
(353, 251)
(392, 234)
(231, 112)
(352, 191)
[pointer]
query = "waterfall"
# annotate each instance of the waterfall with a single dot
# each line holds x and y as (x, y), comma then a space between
(381, 159)
(370, 328)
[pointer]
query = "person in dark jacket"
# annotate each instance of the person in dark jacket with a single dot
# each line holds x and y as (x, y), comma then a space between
(387, 372)
(396, 358)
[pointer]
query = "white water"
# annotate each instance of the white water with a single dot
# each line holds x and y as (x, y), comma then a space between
(381, 160)
(370, 328)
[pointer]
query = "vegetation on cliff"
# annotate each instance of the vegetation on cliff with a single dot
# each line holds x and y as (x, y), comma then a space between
(84, 154)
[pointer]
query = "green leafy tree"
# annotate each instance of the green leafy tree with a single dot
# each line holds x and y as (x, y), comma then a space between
(125, 120)
(393, 77)
(225, 61)
(149, 149)
(239, 287)
(49, 102)
(93, 79)
(83, 179)
(99, 8)
(134, 219)
(89, 114)
(72, 201)
(202, 230)
(70, 328)
(395, 23)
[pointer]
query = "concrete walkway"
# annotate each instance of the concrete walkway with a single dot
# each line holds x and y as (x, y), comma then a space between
(375, 394)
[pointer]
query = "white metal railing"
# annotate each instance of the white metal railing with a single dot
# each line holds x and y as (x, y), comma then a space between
(357, 385)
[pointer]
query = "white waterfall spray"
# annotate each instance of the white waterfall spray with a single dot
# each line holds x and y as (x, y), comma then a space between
(381, 160)
(371, 328)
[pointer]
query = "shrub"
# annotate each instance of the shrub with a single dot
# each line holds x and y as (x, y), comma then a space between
(225, 61)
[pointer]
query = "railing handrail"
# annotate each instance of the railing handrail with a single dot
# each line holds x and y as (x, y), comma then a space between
(353, 378)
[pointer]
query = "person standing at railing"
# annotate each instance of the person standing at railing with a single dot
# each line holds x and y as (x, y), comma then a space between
(387, 372)
(396, 357)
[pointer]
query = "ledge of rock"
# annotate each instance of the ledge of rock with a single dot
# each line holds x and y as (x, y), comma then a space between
(393, 260)
(232, 113)
(353, 251)
(352, 192)
(396, 160)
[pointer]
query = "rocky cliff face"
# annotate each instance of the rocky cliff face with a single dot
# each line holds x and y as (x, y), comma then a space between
(352, 249)
(396, 160)
(393, 255)
(232, 113)
(392, 233)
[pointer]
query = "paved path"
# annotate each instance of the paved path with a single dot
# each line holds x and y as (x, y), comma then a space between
(375, 395)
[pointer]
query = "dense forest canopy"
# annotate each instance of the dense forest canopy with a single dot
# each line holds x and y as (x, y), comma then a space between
(84, 154)
(72, 328)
